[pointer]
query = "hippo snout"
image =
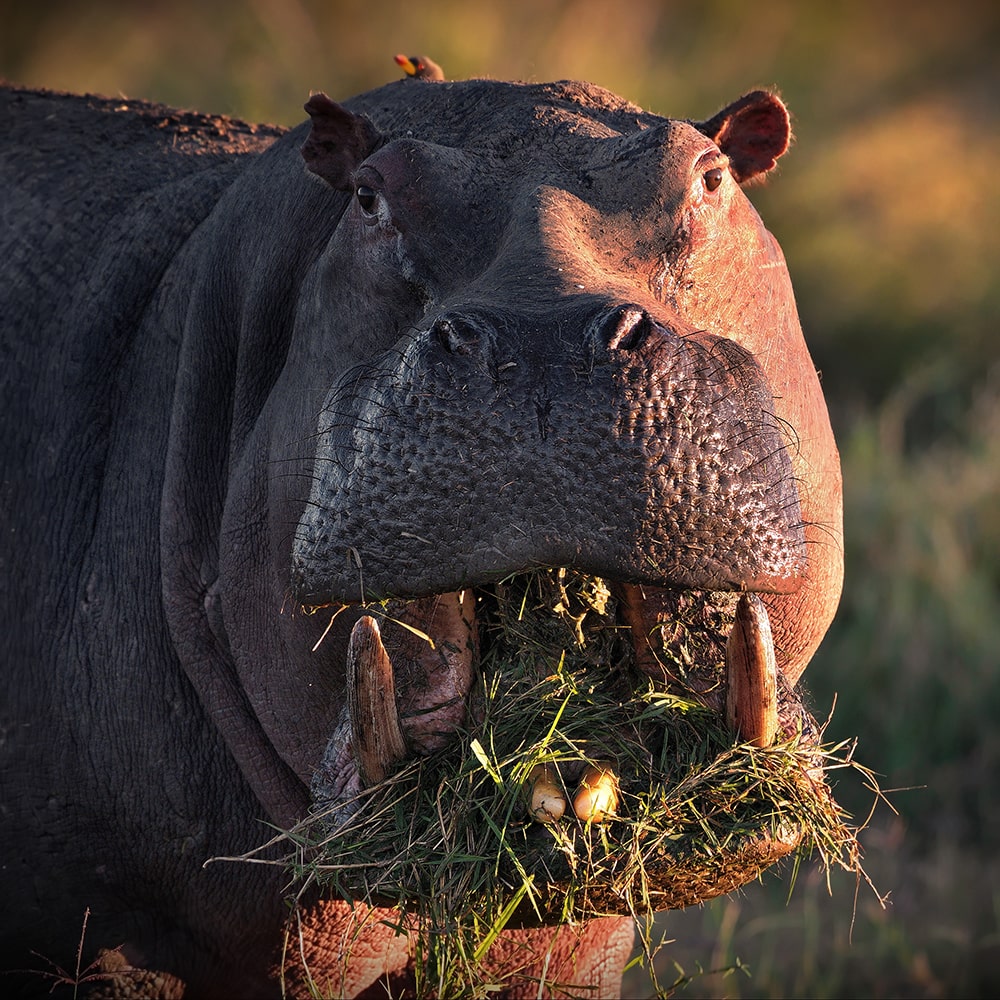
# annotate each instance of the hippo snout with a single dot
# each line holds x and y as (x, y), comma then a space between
(608, 442)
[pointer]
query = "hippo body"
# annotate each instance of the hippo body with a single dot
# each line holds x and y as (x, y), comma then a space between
(443, 333)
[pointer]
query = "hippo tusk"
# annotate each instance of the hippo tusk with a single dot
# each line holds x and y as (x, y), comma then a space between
(376, 735)
(752, 674)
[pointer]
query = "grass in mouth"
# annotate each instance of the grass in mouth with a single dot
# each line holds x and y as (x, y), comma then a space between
(449, 836)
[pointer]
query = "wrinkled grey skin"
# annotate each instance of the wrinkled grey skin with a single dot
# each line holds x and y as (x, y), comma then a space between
(232, 386)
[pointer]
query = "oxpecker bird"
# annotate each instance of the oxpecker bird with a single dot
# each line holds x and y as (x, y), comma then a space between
(420, 67)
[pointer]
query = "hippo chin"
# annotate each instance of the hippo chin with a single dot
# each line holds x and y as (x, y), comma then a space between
(437, 336)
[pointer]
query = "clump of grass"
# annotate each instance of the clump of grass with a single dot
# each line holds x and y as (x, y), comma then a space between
(449, 836)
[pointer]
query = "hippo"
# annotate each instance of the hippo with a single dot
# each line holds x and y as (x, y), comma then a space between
(439, 334)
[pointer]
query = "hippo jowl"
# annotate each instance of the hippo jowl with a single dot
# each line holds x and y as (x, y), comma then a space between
(443, 333)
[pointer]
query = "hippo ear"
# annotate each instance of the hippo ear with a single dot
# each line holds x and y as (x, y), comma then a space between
(753, 132)
(338, 142)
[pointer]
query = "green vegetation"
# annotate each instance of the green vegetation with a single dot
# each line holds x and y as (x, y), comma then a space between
(887, 209)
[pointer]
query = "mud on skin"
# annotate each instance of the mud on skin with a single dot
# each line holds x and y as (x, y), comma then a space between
(442, 333)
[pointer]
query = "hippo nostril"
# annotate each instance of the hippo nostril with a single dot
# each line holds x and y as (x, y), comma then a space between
(455, 336)
(626, 328)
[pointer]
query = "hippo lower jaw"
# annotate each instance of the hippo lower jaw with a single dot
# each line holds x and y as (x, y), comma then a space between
(409, 682)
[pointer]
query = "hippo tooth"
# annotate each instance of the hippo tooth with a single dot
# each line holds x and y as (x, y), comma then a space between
(752, 674)
(546, 799)
(371, 697)
(597, 795)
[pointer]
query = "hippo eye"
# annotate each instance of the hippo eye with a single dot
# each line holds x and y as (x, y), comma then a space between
(712, 178)
(367, 197)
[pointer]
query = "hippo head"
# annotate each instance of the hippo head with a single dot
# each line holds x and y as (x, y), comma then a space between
(542, 328)
(565, 340)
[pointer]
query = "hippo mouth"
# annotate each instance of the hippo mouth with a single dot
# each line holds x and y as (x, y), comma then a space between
(417, 671)
(412, 679)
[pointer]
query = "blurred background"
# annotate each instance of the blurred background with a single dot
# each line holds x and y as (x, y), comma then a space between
(888, 209)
